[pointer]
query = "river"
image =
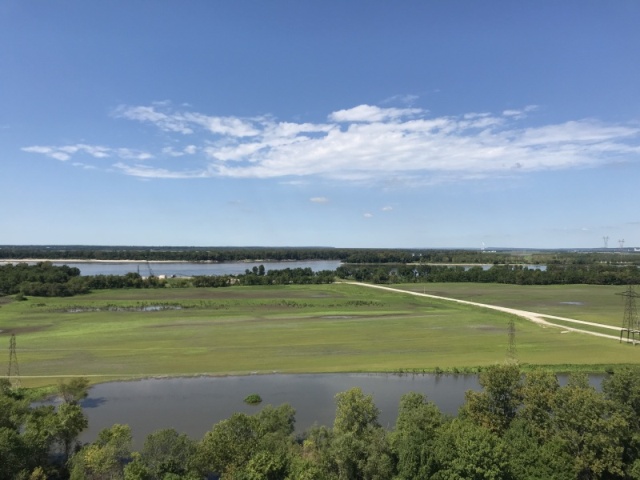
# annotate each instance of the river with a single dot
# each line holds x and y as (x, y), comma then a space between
(189, 269)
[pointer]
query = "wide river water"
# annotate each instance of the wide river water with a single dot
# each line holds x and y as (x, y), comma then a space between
(188, 269)
(193, 405)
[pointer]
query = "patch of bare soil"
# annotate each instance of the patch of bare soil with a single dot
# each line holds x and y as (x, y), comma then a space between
(18, 330)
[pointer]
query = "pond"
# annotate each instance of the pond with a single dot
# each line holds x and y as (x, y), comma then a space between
(193, 405)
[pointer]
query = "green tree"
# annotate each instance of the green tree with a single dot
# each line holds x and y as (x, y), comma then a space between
(13, 454)
(412, 440)
(104, 459)
(228, 445)
(623, 388)
(359, 447)
(39, 433)
(538, 398)
(467, 451)
(590, 429)
(531, 459)
(497, 404)
(356, 412)
(76, 390)
(70, 422)
(167, 451)
(244, 446)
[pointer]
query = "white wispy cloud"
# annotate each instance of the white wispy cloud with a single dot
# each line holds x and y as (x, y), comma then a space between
(65, 152)
(387, 209)
(319, 200)
(188, 150)
(166, 122)
(407, 99)
(368, 215)
(519, 113)
(371, 113)
(366, 143)
(145, 171)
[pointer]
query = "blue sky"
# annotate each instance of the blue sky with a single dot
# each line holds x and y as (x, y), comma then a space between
(418, 124)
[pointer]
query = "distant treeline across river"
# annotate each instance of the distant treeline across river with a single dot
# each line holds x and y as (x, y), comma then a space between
(49, 280)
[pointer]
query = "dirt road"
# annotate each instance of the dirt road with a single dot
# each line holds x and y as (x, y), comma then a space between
(538, 318)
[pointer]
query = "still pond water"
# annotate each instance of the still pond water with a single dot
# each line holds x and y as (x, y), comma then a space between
(193, 405)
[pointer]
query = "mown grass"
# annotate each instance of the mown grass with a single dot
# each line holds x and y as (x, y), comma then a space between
(324, 328)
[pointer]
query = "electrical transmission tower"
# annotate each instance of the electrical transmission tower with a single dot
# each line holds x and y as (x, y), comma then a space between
(630, 322)
(512, 352)
(13, 372)
(621, 243)
(606, 242)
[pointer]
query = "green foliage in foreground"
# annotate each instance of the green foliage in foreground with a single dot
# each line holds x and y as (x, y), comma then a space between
(517, 427)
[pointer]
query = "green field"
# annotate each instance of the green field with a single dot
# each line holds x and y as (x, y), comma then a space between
(323, 328)
(591, 303)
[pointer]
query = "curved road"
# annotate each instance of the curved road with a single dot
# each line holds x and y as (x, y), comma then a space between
(534, 317)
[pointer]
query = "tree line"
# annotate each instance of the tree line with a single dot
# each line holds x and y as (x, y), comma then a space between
(347, 255)
(553, 274)
(519, 426)
(46, 280)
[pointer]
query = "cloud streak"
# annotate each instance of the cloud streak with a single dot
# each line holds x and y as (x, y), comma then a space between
(366, 143)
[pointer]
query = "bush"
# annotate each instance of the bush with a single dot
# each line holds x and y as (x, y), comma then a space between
(253, 399)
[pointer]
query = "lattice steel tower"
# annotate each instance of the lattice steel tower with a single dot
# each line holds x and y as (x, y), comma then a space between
(13, 372)
(630, 322)
(512, 351)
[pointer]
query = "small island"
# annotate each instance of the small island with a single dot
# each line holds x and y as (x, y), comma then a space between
(253, 399)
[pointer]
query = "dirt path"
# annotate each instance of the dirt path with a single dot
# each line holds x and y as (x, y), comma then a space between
(538, 318)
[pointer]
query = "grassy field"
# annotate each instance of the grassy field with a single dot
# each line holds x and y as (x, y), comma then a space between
(324, 328)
